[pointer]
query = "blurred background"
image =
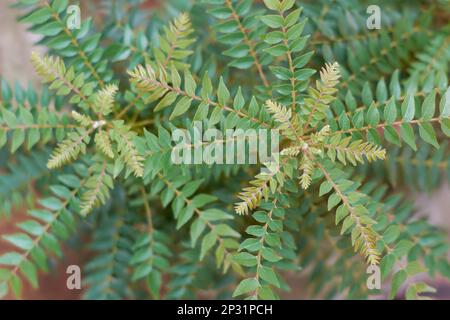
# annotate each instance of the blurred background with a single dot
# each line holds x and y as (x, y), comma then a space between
(16, 46)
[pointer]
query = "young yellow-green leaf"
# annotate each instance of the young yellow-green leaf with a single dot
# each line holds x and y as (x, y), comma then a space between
(103, 142)
(412, 293)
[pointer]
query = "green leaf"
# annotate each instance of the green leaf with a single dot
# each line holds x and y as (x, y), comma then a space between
(197, 227)
(445, 127)
(166, 101)
(181, 107)
(292, 18)
(3, 289)
(341, 213)
(250, 244)
(214, 214)
(429, 106)
(273, 21)
(184, 216)
(347, 224)
(207, 88)
(245, 286)
(238, 100)
(274, 37)
(207, 243)
(20, 240)
(414, 267)
(270, 255)
(29, 271)
(427, 133)
(277, 50)
(189, 83)
(444, 105)
(60, 5)
(408, 108)
(402, 248)
(272, 4)
(367, 95)
(37, 17)
(10, 259)
(245, 259)
(407, 134)
(397, 281)
(390, 112)
(391, 234)
(325, 187)
(391, 135)
(10, 118)
(268, 275)
(18, 139)
(333, 201)
(223, 93)
(373, 115)
(51, 203)
(386, 265)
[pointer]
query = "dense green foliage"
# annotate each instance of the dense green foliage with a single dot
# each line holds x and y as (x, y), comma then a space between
(363, 115)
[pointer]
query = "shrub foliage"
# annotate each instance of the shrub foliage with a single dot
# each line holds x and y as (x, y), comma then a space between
(363, 115)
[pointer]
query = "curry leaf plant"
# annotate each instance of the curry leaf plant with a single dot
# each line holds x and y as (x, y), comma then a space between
(362, 116)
